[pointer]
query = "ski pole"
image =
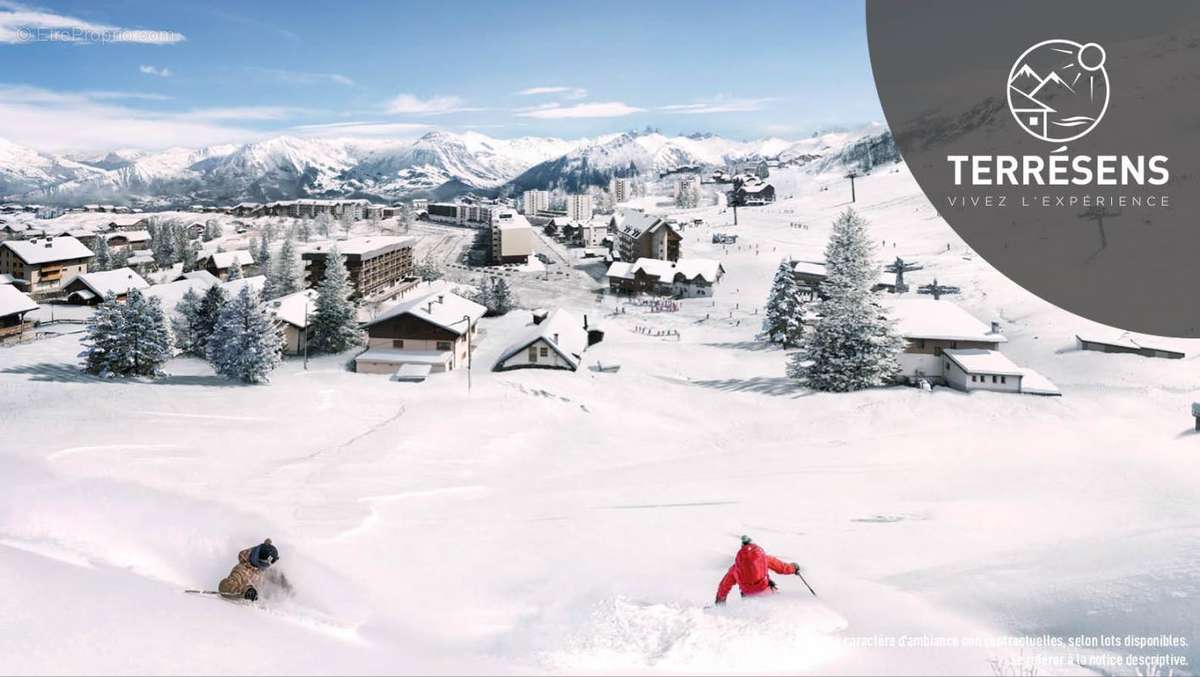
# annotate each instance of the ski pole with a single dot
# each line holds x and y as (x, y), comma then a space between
(814, 592)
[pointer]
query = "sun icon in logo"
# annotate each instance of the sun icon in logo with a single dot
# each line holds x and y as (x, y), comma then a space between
(1058, 89)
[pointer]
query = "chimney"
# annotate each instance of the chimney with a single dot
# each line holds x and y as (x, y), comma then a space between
(995, 327)
(441, 298)
(556, 338)
(585, 326)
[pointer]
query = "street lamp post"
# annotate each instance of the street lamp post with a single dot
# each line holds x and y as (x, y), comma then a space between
(304, 331)
(467, 319)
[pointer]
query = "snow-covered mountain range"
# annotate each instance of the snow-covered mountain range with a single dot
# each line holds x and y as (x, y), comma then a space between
(438, 164)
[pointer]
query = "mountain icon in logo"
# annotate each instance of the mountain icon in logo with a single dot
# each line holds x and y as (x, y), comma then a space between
(1058, 89)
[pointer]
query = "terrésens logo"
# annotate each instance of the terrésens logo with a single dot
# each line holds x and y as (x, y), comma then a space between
(1058, 89)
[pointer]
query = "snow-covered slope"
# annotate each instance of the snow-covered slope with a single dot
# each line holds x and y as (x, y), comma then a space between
(24, 169)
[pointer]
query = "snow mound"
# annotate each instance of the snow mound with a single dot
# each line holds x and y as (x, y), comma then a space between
(781, 633)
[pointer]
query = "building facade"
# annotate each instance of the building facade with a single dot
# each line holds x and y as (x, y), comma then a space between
(534, 201)
(375, 263)
(45, 264)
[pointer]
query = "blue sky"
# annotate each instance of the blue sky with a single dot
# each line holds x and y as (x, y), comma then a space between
(79, 75)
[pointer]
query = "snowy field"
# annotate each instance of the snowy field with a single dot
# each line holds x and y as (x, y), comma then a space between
(550, 521)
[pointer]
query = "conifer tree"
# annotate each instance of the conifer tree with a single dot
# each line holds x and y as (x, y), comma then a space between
(103, 352)
(209, 312)
(187, 314)
(235, 271)
(333, 323)
(246, 344)
(853, 344)
(146, 334)
(784, 321)
(284, 277)
(103, 257)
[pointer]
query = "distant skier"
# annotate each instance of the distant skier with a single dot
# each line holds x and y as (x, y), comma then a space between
(751, 571)
(250, 572)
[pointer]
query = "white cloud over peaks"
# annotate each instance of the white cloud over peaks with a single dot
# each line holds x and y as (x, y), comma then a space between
(408, 104)
(72, 121)
(566, 92)
(23, 24)
(163, 72)
(608, 109)
(719, 105)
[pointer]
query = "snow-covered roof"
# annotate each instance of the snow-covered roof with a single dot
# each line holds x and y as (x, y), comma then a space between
(815, 268)
(48, 250)
(223, 260)
(200, 275)
(130, 235)
(171, 293)
(981, 361)
(918, 318)
(708, 269)
(295, 309)
(1130, 341)
(634, 222)
(234, 287)
(754, 187)
(104, 282)
(361, 246)
(13, 301)
(444, 309)
(561, 330)
(413, 373)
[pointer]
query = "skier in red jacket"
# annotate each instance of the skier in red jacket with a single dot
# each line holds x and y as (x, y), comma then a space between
(751, 571)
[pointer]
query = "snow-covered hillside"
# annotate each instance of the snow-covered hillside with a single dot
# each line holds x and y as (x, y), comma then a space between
(548, 521)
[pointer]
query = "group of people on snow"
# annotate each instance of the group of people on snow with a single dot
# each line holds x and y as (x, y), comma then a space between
(750, 572)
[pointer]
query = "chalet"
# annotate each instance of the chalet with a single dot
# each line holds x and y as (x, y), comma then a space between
(556, 342)
(945, 345)
(44, 263)
(202, 275)
(1127, 343)
(219, 263)
(432, 333)
(810, 274)
(92, 288)
(931, 327)
(133, 240)
(14, 304)
(293, 313)
(685, 278)
(374, 263)
(751, 193)
(639, 235)
(195, 229)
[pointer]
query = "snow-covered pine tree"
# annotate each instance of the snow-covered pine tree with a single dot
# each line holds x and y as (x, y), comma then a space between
(484, 294)
(235, 271)
(428, 270)
(784, 321)
(246, 344)
(103, 352)
(146, 335)
(853, 344)
(324, 224)
(284, 277)
(187, 313)
(263, 258)
(191, 256)
(211, 304)
(304, 230)
(334, 325)
(503, 298)
(103, 257)
(120, 259)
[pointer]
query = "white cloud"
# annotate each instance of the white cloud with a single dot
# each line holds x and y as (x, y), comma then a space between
(363, 128)
(554, 111)
(719, 105)
(67, 121)
(244, 113)
(22, 24)
(567, 92)
(304, 78)
(407, 104)
(163, 72)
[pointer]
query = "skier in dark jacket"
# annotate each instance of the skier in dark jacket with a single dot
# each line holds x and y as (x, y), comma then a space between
(248, 574)
(751, 572)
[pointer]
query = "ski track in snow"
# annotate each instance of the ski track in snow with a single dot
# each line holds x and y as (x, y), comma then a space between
(71, 451)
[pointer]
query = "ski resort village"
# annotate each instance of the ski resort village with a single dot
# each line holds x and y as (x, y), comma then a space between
(521, 428)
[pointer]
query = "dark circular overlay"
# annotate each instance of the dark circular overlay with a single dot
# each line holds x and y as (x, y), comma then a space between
(1061, 140)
